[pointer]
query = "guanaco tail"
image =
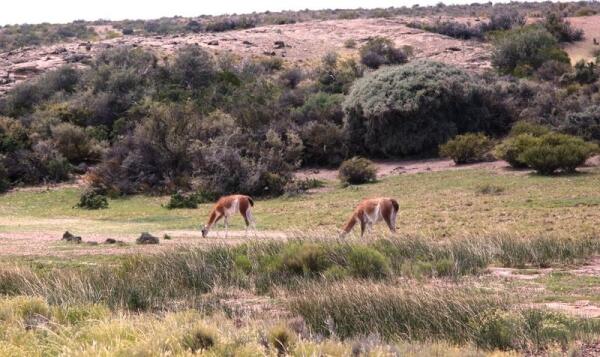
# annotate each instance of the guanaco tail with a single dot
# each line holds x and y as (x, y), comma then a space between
(226, 207)
(371, 211)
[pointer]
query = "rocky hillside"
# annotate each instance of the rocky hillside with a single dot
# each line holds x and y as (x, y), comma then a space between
(298, 44)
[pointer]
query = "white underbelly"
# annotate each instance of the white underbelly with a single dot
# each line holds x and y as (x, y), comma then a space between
(375, 215)
(231, 210)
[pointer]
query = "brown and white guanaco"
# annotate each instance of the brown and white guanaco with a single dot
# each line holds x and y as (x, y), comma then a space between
(226, 207)
(371, 211)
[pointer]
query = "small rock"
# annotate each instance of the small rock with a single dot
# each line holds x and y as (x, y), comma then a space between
(147, 238)
(453, 49)
(279, 44)
(269, 53)
(247, 43)
(67, 236)
(110, 241)
(213, 43)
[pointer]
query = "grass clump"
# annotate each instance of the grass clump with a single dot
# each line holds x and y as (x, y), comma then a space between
(282, 339)
(368, 263)
(357, 170)
(490, 189)
(467, 148)
(201, 338)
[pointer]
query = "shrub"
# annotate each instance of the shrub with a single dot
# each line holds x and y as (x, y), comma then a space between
(193, 67)
(504, 20)
(467, 148)
(92, 199)
(521, 51)
(350, 43)
(380, 51)
(561, 29)
(500, 330)
(4, 182)
(552, 152)
(282, 339)
(511, 149)
(455, 29)
(357, 170)
(585, 124)
(180, 200)
(368, 263)
(305, 259)
(414, 108)
(199, 339)
(74, 144)
(524, 127)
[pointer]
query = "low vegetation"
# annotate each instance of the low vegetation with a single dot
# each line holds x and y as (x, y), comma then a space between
(463, 149)
(357, 170)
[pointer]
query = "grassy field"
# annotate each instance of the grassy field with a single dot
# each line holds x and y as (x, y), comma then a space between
(441, 204)
(486, 262)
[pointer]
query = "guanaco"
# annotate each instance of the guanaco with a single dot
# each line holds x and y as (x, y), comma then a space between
(371, 211)
(226, 207)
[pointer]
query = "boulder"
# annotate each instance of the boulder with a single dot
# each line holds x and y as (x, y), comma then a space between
(213, 43)
(279, 44)
(67, 236)
(147, 238)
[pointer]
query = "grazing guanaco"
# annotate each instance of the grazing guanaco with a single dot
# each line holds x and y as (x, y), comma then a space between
(226, 207)
(371, 211)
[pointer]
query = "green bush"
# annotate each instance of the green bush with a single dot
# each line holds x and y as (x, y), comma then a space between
(305, 259)
(511, 149)
(524, 127)
(585, 124)
(357, 170)
(368, 263)
(92, 199)
(467, 148)
(552, 152)
(523, 50)
(561, 29)
(412, 109)
(499, 330)
(181, 200)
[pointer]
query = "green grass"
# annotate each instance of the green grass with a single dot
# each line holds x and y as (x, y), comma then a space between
(437, 204)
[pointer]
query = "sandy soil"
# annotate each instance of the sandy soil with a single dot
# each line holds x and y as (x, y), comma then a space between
(585, 49)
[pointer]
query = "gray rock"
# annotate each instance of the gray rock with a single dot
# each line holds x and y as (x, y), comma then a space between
(147, 238)
(67, 236)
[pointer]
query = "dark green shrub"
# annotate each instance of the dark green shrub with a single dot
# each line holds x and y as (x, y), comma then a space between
(92, 199)
(513, 147)
(181, 200)
(414, 108)
(467, 148)
(380, 51)
(4, 182)
(368, 263)
(357, 170)
(521, 51)
(552, 152)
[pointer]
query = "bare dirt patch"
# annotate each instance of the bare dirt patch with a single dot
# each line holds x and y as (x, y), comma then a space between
(584, 49)
(399, 167)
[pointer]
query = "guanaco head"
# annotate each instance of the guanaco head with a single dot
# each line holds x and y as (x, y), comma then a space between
(204, 231)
